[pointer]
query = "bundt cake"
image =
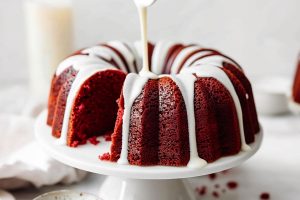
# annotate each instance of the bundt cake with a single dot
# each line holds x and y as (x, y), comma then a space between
(195, 106)
(296, 85)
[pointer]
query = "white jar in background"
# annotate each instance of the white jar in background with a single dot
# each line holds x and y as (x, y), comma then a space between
(49, 25)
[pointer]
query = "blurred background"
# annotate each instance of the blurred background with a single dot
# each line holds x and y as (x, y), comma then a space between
(262, 35)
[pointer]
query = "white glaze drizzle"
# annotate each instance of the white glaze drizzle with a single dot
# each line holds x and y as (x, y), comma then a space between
(137, 56)
(138, 46)
(143, 24)
(216, 72)
(129, 57)
(132, 88)
(81, 77)
(159, 55)
(181, 56)
(186, 85)
(215, 60)
(107, 54)
(76, 61)
(134, 83)
(194, 58)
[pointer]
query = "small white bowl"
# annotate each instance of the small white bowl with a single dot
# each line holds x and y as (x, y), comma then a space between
(66, 195)
(271, 95)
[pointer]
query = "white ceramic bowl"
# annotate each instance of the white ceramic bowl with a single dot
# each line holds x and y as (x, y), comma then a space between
(66, 195)
(271, 95)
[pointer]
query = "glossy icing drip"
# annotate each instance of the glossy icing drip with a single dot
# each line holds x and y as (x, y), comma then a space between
(143, 21)
(181, 56)
(106, 53)
(214, 60)
(77, 62)
(128, 55)
(132, 88)
(194, 58)
(186, 85)
(159, 54)
(216, 72)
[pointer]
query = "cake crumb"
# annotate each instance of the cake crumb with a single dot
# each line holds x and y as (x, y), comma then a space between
(105, 157)
(75, 144)
(201, 190)
(83, 142)
(265, 196)
(94, 140)
(107, 137)
(232, 185)
(215, 194)
(212, 176)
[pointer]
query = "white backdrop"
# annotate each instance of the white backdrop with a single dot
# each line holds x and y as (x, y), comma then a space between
(263, 35)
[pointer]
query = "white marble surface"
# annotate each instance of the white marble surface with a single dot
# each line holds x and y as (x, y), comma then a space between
(262, 35)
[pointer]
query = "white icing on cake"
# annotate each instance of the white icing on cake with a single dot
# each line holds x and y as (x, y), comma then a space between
(77, 62)
(186, 85)
(215, 60)
(195, 57)
(127, 54)
(107, 54)
(208, 70)
(181, 56)
(132, 88)
(159, 54)
(137, 56)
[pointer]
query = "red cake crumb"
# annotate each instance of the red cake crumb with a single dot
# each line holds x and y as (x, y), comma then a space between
(94, 140)
(212, 176)
(201, 190)
(265, 196)
(232, 185)
(105, 157)
(215, 194)
(75, 144)
(107, 137)
(83, 142)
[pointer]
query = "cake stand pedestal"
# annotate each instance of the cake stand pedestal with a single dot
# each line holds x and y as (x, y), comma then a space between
(126, 182)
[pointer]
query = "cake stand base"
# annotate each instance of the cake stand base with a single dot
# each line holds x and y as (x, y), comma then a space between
(115, 188)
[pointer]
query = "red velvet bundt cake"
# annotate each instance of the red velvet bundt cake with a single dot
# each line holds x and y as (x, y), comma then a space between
(296, 86)
(194, 107)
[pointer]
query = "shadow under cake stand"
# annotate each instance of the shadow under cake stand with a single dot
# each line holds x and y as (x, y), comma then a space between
(127, 182)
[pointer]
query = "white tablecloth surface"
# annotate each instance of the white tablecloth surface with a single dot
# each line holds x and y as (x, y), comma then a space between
(275, 169)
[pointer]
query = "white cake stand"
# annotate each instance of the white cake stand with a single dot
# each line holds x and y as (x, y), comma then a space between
(133, 182)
